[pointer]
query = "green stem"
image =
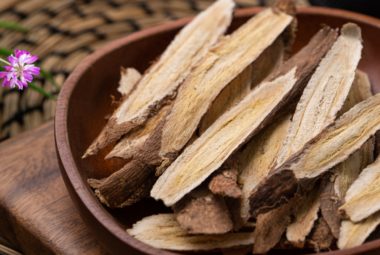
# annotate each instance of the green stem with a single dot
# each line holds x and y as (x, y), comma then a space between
(41, 90)
(13, 25)
(4, 61)
(48, 76)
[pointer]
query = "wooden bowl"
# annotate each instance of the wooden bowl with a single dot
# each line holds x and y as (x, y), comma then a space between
(85, 101)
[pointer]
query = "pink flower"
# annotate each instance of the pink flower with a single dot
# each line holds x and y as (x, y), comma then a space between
(19, 68)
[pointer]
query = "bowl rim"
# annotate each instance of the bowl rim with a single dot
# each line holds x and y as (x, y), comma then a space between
(62, 142)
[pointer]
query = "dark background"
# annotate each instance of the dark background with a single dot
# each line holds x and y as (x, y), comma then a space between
(369, 7)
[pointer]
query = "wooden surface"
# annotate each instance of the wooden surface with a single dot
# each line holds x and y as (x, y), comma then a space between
(36, 212)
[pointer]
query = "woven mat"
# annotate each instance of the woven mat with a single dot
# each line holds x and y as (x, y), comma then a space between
(63, 32)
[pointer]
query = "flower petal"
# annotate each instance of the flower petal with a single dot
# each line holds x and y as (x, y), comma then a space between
(5, 83)
(18, 53)
(32, 69)
(27, 76)
(19, 84)
(12, 60)
(3, 75)
(30, 59)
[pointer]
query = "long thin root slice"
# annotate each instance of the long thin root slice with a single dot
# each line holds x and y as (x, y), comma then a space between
(164, 232)
(258, 156)
(335, 185)
(363, 197)
(354, 234)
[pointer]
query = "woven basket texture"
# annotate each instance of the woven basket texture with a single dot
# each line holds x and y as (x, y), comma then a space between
(63, 32)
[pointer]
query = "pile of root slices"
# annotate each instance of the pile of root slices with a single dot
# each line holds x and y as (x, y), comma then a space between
(252, 149)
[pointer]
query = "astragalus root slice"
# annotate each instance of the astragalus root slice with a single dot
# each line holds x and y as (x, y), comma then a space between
(164, 232)
(320, 237)
(255, 73)
(270, 227)
(326, 92)
(304, 219)
(354, 234)
(224, 180)
(130, 143)
(159, 84)
(258, 156)
(201, 212)
(140, 193)
(335, 184)
(331, 147)
(225, 61)
(241, 122)
(129, 78)
(229, 96)
(271, 59)
(362, 198)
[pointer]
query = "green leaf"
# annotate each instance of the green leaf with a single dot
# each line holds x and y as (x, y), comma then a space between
(13, 25)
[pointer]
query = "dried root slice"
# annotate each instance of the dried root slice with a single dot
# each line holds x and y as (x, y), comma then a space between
(222, 64)
(255, 73)
(271, 59)
(331, 147)
(224, 180)
(321, 237)
(159, 84)
(201, 212)
(129, 78)
(360, 91)
(335, 185)
(326, 92)
(304, 219)
(362, 198)
(258, 156)
(130, 143)
(241, 122)
(354, 234)
(270, 227)
(164, 232)
(229, 96)
(140, 193)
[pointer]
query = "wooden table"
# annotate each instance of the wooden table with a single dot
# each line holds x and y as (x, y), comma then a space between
(36, 213)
